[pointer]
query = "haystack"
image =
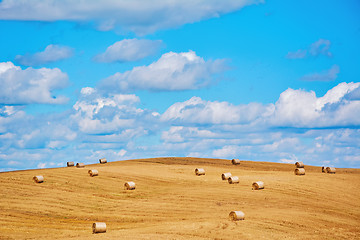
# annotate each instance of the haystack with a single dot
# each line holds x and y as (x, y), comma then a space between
(99, 227)
(225, 176)
(300, 171)
(331, 170)
(233, 180)
(236, 215)
(103, 160)
(80, 165)
(129, 185)
(70, 164)
(199, 171)
(235, 161)
(38, 179)
(93, 172)
(299, 164)
(323, 169)
(258, 185)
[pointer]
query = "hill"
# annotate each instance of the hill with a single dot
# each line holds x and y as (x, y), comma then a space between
(171, 202)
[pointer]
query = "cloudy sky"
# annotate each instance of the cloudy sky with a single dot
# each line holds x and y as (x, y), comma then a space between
(256, 80)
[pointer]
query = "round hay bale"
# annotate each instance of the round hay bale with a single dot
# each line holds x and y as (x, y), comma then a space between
(300, 171)
(331, 170)
(38, 179)
(258, 185)
(93, 172)
(103, 160)
(199, 171)
(80, 165)
(236, 215)
(99, 227)
(129, 185)
(235, 161)
(70, 164)
(299, 164)
(323, 169)
(225, 176)
(233, 180)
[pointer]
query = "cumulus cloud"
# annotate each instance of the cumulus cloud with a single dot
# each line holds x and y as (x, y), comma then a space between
(324, 76)
(30, 85)
(129, 50)
(52, 53)
(139, 16)
(320, 47)
(172, 72)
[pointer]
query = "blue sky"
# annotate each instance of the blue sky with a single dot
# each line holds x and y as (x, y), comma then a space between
(256, 80)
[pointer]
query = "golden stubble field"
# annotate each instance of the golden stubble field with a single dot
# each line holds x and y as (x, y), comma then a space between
(171, 202)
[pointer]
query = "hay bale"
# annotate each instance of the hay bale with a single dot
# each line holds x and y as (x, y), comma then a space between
(331, 170)
(103, 160)
(233, 180)
(236, 215)
(235, 161)
(199, 171)
(225, 176)
(323, 169)
(258, 185)
(38, 179)
(99, 227)
(70, 164)
(129, 185)
(299, 164)
(300, 171)
(80, 165)
(93, 172)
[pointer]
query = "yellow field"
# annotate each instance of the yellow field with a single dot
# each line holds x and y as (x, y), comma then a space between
(171, 202)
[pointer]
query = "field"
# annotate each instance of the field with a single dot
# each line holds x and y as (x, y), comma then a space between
(171, 202)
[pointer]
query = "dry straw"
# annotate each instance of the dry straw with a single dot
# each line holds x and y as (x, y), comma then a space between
(38, 179)
(235, 161)
(233, 180)
(236, 215)
(70, 164)
(103, 160)
(323, 169)
(129, 185)
(299, 164)
(93, 172)
(331, 170)
(300, 171)
(199, 171)
(225, 176)
(258, 185)
(80, 165)
(99, 227)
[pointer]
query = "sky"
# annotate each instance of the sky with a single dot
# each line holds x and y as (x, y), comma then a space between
(256, 80)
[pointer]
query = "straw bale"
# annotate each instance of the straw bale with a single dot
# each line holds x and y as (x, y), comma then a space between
(99, 227)
(129, 185)
(103, 160)
(199, 171)
(331, 170)
(323, 169)
(93, 172)
(299, 164)
(80, 165)
(38, 179)
(70, 164)
(235, 161)
(225, 176)
(233, 180)
(300, 171)
(258, 185)
(236, 215)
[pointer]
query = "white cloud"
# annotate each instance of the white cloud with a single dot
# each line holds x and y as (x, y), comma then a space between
(172, 72)
(129, 50)
(139, 16)
(320, 47)
(324, 76)
(52, 53)
(30, 85)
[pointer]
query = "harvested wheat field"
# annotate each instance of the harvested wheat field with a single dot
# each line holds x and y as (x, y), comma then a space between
(171, 202)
